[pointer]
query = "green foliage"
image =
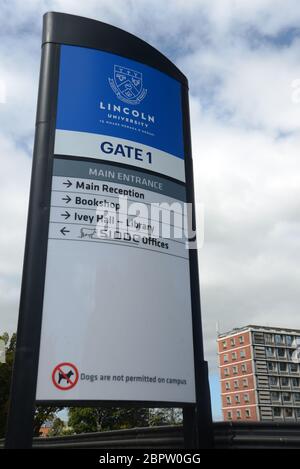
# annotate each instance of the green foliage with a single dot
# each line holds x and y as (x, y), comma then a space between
(5, 338)
(83, 420)
(12, 343)
(170, 416)
(123, 417)
(42, 414)
(58, 427)
(5, 379)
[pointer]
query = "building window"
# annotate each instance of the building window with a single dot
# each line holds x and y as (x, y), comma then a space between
(237, 399)
(269, 352)
(228, 399)
(246, 398)
(247, 413)
(285, 382)
(295, 382)
(297, 397)
(283, 367)
(275, 396)
(272, 366)
(286, 397)
(288, 412)
(245, 382)
(281, 353)
(279, 339)
(243, 354)
(234, 356)
(227, 386)
(238, 414)
(232, 342)
(236, 384)
(244, 368)
(241, 339)
(269, 339)
(226, 371)
(224, 343)
(297, 411)
(277, 412)
(289, 340)
(273, 381)
(294, 368)
(229, 415)
(257, 338)
(225, 358)
(235, 370)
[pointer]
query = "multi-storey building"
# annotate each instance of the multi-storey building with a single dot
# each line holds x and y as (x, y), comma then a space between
(260, 374)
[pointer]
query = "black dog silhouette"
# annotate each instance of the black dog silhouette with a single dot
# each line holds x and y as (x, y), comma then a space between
(65, 376)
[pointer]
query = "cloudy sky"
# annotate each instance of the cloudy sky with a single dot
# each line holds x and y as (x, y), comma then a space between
(242, 61)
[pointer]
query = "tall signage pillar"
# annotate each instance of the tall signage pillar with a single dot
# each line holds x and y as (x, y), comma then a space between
(110, 303)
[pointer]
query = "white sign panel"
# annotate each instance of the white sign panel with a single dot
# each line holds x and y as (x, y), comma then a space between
(117, 321)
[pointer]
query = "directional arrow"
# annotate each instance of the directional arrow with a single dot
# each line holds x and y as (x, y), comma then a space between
(67, 199)
(64, 231)
(66, 215)
(68, 183)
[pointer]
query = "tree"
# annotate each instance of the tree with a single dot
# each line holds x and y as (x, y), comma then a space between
(58, 427)
(169, 416)
(42, 414)
(5, 337)
(87, 419)
(84, 420)
(5, 379)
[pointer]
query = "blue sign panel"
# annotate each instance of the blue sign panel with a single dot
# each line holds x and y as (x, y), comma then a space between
(119, 97)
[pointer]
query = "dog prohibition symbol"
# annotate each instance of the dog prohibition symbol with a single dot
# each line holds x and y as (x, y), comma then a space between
(66, 376)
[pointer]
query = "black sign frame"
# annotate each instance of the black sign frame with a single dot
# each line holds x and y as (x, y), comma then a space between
(58, 29)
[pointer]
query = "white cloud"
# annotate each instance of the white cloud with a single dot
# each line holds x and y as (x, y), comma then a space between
(14, 189)
(249, 183)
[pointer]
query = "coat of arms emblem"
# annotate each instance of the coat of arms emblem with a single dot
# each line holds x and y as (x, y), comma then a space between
(127, 84)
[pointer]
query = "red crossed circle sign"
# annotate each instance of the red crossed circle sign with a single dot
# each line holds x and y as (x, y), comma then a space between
(65, 376)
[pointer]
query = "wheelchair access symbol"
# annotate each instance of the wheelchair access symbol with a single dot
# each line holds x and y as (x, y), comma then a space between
(65, 376)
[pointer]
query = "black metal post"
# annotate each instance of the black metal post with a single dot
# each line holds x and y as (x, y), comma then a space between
(201, 418)
(22, 402)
